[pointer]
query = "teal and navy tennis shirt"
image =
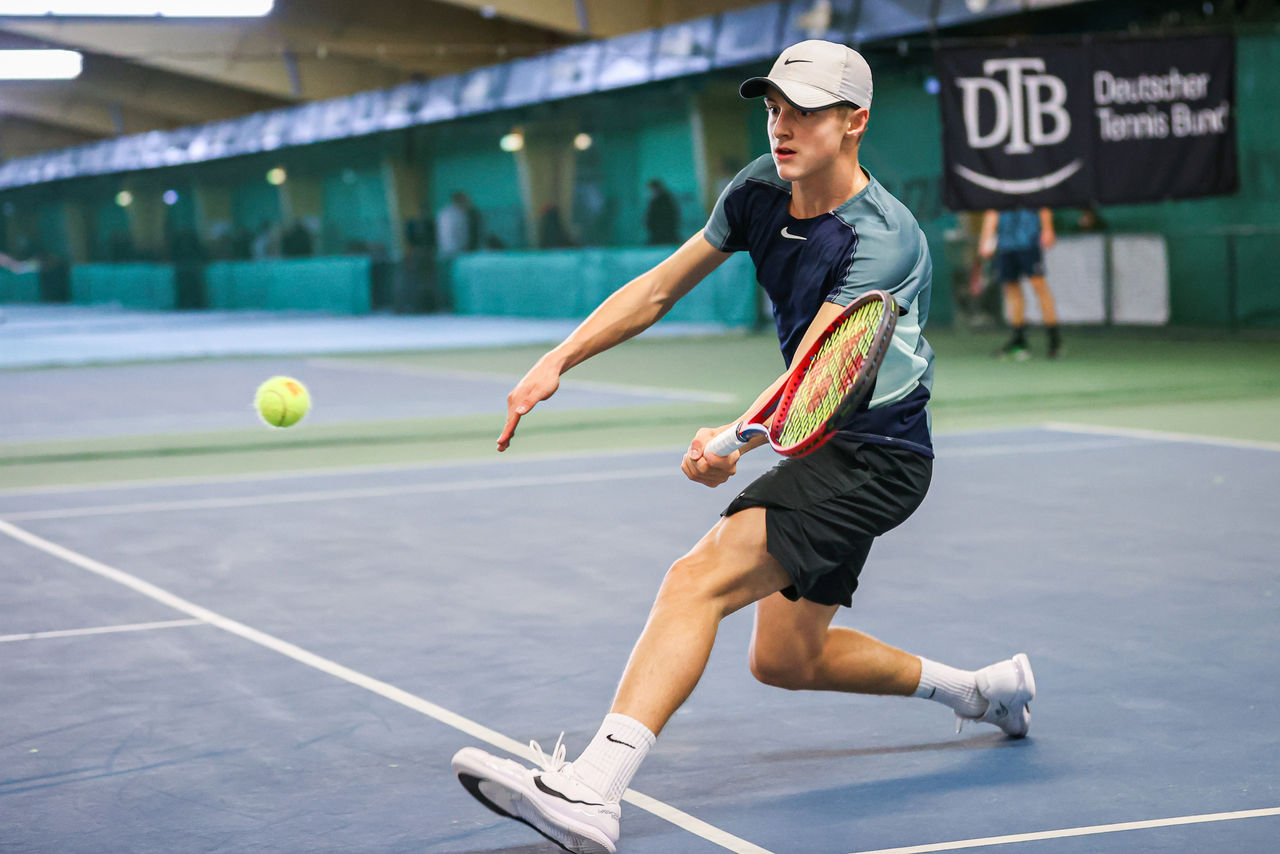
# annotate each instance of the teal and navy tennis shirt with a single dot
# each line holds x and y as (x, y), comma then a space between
(1018, 230)
(870, 242)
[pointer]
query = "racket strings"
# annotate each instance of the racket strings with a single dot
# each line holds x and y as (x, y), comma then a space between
(831, 374)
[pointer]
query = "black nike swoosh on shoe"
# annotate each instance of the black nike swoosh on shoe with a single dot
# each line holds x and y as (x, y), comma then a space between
(610, 737)
(543, 787)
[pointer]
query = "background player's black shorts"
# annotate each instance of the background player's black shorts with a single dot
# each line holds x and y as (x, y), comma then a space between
(823, 511)
(1017, 264)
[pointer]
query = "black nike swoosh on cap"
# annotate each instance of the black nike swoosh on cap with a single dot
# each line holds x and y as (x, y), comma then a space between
(789, 61)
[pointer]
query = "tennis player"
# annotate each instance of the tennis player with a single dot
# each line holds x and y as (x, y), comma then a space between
(821, 231)
(1017, 239)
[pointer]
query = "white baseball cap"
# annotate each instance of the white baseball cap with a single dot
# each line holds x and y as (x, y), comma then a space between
(815, 74)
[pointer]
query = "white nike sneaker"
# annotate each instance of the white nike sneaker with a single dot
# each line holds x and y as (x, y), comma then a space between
(1008, 687)
(553, 801)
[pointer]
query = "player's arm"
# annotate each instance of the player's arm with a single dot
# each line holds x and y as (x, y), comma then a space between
(13, 265)
(1048, 236)
(629, 311)
(987, 239)
(711, 470)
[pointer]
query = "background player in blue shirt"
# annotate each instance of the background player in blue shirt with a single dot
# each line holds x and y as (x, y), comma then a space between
(1017, 239)
(821, 230)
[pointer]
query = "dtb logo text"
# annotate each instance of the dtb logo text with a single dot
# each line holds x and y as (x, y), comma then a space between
(1028, 107)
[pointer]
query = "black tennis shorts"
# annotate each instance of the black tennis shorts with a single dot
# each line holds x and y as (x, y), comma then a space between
(1017, 264)
(823, 511)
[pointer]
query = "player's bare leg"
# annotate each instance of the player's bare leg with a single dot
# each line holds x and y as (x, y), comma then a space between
(1049, 311)
(727, 570)
(794, 646)
(1017, 308)
(577, 803)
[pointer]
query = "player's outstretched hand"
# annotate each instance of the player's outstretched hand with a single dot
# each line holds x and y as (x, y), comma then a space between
(540, 383)
(706, 468)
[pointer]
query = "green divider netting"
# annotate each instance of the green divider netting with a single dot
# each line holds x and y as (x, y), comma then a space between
(340, 284)
(138, 285)
(19, 287)
(570, 283)
(1197, 264)
(1257, 286)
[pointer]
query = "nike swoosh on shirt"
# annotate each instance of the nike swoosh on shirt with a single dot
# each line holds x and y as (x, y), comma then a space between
(791, 236)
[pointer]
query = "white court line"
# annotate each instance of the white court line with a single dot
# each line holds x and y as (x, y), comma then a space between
(101, 630)
(480, 732)
(331, 471)
(468, 485)
(1076, 831)
(588, 385)
(1161, 436)
(339, 494)
(1037, 448)
(430, 465)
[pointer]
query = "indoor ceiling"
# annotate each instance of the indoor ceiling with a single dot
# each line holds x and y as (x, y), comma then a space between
(152, 73)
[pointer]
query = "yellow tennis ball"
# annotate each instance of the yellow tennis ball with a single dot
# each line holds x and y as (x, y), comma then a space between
(282, 401)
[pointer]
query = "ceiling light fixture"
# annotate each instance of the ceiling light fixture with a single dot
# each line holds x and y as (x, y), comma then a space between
(138, 8)
(512, 142)
(39, 64)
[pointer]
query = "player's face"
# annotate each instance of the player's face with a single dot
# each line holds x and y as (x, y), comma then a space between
(804, 142)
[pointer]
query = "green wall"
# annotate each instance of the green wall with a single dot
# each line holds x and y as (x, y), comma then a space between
(136, 285)
(570, 283)
(52, 228)
(664, 150)
(109, 227)
(1220, 249)
(465, 156)
(628, 156)
(254, 202)
(19, 287)
(356, 207)
(339, 285)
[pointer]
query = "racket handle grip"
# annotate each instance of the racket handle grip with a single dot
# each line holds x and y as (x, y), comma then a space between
(725, 442)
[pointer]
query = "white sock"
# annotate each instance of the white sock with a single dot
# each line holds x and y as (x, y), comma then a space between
(614, 755)
(951, 687)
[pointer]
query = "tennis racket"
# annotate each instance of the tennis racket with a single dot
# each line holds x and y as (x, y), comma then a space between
(826, 385)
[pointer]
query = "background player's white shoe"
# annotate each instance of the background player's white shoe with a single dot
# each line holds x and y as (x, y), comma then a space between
(1008, 687)
(552, 800)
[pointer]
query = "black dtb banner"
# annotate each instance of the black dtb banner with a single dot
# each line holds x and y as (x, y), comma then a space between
(1113, 121)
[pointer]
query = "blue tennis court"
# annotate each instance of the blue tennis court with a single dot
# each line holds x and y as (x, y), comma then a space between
(287, 662)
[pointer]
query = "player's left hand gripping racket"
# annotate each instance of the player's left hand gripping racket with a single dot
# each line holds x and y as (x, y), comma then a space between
(826, 385)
